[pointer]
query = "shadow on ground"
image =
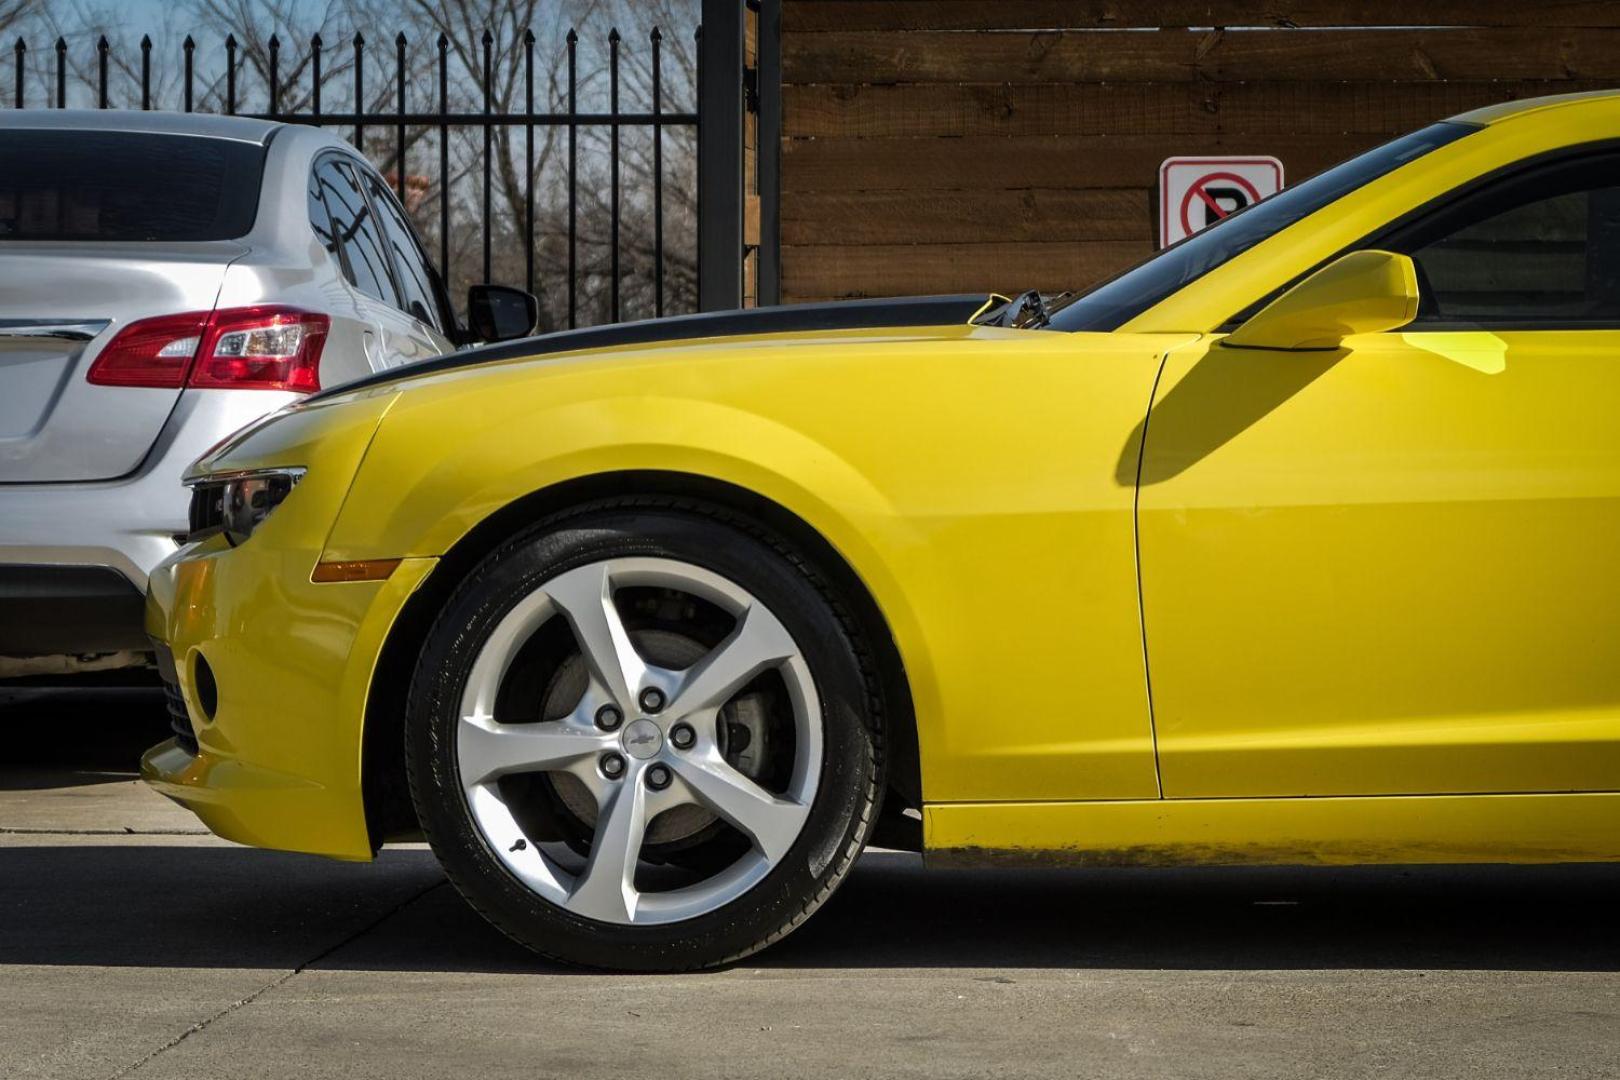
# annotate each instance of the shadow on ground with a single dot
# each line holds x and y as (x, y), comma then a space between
(181, 905)
(98, 734)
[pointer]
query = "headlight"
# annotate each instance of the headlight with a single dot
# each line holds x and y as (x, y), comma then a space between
(235, 503)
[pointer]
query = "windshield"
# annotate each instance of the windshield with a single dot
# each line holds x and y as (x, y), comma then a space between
(1120, 299)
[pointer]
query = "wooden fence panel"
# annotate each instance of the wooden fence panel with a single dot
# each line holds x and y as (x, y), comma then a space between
(937, 145)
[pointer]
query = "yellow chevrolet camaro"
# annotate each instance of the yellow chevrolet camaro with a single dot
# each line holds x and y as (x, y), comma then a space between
(1294, 543)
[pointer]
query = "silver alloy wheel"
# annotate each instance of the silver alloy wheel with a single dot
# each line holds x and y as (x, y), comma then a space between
(605, 889)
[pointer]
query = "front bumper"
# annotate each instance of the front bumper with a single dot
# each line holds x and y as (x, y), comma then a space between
(271, 671)
(277, 763)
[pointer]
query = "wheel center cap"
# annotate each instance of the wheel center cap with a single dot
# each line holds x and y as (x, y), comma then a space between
(642, 739)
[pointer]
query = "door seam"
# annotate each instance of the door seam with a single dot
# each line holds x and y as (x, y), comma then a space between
(1136, 547)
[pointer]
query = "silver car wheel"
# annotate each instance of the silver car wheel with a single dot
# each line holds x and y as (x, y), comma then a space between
(617, 742)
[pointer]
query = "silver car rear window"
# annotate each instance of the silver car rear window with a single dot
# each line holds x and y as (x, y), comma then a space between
(122, 186)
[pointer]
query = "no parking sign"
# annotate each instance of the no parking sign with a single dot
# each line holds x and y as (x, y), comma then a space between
(1196, 192)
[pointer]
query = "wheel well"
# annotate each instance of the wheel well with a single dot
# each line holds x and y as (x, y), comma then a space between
(389, 813)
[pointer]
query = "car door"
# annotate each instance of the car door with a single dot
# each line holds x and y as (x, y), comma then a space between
(1389, 568)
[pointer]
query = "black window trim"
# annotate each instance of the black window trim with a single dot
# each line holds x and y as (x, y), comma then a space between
(1381, 236)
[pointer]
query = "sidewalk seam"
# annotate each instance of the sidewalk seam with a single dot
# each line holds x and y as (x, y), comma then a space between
(278, 981)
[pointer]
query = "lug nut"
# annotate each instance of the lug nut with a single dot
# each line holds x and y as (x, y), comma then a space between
(612, 766)
(652, 699)
(608, 718)
(682, 736)
(658, 777)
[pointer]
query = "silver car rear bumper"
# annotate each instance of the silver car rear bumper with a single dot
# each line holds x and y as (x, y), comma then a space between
(126, 526)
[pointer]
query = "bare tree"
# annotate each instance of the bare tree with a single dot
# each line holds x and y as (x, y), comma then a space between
(488, 47)
(14, 12)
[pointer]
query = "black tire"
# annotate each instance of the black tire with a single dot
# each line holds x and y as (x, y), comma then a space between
(851, 781)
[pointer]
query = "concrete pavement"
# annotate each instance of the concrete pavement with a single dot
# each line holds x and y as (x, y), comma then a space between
(132, 945)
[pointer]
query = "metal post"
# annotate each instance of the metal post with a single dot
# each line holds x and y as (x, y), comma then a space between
(489, 149)
(613, 174)
(658, 171)
(359, 44)
(230, 74)
(444, 161)
(720, 156)
(528, 159)
(769, 162)
(573, 179)
(275, 74)
(102, 49)
(399, 128)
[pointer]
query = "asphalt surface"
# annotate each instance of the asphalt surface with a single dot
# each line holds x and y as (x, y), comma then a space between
(131, 944)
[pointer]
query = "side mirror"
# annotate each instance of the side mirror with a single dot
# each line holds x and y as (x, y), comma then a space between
(498, 313)
(1364, 292)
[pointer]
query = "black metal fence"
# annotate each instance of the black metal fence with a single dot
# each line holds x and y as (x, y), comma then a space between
(718, 246)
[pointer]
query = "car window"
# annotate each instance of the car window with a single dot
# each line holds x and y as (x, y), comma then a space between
(122, 186)
(415, 283)
(1120, 299)
(320, 221)
(365, 256)
(1536, 249)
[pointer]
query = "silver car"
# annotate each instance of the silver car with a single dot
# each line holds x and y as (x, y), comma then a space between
(166, 279)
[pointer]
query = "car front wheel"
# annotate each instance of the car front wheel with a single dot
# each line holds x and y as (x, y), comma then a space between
(644, 738)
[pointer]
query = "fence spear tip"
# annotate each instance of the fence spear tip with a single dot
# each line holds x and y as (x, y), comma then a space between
(444, 42)
(399, 38)
(21, 46)
(61, 44)
(573, 36)
(315, 40)
(359, 39)
(275, 42)
(188, 44)
(488, 36)
(101, 42)
(613, 35)
(657, 34)
(230, 41)
(146, 41)
(528, 36)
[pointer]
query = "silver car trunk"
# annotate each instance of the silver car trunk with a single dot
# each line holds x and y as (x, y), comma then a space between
(60, 304)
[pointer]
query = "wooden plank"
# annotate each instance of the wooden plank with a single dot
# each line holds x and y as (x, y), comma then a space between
(751, 220)
(995, 109)
(1163, 108)
(902, 269)
(924, 216)
(867, 57)
(833, 15)
(991, 163)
